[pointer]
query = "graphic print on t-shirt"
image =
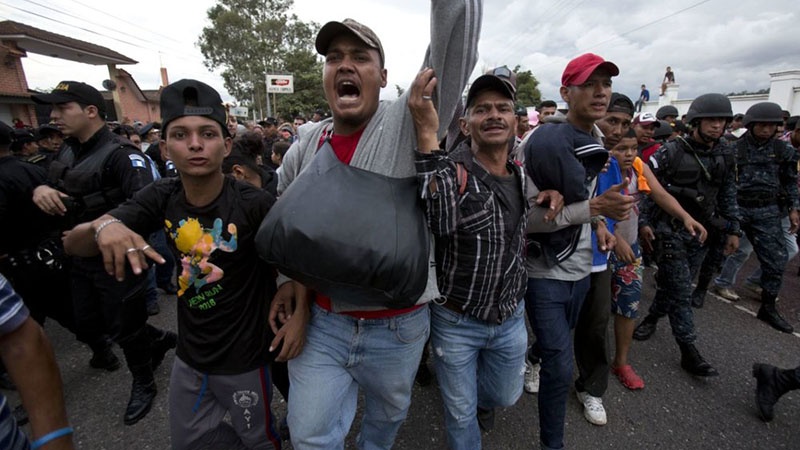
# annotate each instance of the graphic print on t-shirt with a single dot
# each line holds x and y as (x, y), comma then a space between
(196, 244)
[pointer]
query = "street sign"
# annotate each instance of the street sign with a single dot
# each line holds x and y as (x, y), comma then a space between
(280, 84)
(238, 111)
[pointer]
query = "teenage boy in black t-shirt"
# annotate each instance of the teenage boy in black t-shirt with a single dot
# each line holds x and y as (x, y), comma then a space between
(224, 288)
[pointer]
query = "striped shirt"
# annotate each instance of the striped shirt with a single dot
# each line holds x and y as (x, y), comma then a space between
(12, 314)
(480, 267)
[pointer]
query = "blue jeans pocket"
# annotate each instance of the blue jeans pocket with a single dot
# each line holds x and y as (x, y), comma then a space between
(409, 330)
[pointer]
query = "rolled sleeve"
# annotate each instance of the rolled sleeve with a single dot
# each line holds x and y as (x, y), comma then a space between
(437, 183)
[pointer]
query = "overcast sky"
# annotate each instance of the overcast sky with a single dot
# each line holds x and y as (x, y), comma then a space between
(712, 45)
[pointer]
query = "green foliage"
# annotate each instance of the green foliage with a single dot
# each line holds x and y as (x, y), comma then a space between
(528, 93)
(249, 38)
(758, 92)
(400, 90)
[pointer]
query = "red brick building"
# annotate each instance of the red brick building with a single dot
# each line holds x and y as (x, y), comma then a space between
(17, 39)
(134, 103)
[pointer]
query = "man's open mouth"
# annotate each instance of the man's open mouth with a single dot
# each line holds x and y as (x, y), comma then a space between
(347, 89)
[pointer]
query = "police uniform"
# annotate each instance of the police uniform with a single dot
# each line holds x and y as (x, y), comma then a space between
(702, 179)
(31, 255)
(98, 175)
(767, 180)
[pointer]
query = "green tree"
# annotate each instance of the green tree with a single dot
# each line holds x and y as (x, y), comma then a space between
(758, 92)
(249, 38)
(528, 93)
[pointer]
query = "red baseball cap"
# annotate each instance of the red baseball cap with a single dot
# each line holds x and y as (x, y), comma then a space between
(579, 69)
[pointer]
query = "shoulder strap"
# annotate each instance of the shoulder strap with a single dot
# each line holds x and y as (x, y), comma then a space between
(675, 154)
(461, 178)
(779, 148)
(741, 153)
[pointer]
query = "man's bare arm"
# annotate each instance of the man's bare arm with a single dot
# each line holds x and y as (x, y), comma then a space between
(30, 362)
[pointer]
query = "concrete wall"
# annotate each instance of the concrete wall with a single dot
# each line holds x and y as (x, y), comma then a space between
(784, 90)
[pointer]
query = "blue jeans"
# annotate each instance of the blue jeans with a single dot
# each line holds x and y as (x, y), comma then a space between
(553, 307)
(341, 354)
(465, 346)
(734, 262)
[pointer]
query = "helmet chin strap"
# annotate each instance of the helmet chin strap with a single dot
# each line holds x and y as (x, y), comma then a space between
(705, 139)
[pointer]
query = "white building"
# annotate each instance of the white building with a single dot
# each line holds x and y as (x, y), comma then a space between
(784, 89)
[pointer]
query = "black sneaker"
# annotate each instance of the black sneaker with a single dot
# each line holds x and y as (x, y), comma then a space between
(159, 347)
(105, 359)
(485, 419)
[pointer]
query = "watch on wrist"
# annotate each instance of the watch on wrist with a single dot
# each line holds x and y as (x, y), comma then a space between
(595, 220)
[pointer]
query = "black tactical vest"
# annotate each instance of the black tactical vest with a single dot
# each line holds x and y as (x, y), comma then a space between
(695, 178)
(83, 182)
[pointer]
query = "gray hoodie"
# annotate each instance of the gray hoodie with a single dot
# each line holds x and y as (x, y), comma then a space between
(389, 139)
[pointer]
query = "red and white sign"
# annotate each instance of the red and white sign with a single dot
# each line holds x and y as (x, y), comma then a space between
(280, 84)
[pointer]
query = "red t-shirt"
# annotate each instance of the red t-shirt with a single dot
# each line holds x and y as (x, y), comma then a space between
(345, 147)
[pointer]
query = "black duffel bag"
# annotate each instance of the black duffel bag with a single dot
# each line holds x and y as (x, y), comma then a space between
(350, 234)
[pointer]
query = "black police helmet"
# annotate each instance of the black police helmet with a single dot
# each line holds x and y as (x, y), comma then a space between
(665, 111)
(663, 131)
(709, 105)
(764, 112)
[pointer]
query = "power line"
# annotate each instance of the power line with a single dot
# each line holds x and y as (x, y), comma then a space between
(126, 21)
(71, 25)
(647, 24)
(92, 31)
(138, 38)
(620, 35)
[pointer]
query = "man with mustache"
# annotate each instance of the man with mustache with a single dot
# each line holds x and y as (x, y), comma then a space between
(375, 136)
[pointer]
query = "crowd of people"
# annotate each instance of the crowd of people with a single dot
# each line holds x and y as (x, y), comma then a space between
(548, 216)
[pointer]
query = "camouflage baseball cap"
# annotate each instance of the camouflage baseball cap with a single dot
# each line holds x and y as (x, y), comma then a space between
(331, 30)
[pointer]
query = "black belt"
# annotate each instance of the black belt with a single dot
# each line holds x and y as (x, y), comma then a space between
(756, 202)
(453, 306)
(43, 256)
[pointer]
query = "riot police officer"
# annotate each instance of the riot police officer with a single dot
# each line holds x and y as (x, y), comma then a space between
(668, 113)
(699, 172)
(95, 171)
(766, 172)
(31, 256)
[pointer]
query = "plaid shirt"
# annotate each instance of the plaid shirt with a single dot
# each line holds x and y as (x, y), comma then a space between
(478, 268)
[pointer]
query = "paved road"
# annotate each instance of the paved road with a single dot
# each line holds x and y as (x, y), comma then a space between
(674, 411)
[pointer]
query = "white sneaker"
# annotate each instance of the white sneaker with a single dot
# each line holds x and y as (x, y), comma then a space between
(726, 293)
(531, 384)
(593, 409)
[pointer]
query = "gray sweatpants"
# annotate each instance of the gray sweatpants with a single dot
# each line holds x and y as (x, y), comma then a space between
(198, 402)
